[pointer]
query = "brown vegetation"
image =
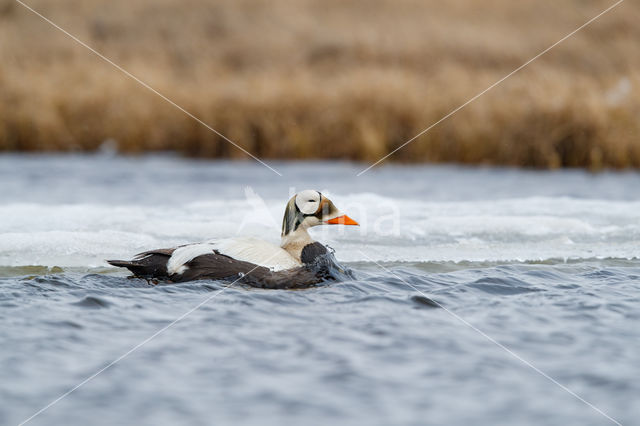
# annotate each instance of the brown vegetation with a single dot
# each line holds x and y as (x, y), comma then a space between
(327, 79)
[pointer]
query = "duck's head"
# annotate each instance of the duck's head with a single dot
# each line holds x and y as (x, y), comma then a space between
(310, 208)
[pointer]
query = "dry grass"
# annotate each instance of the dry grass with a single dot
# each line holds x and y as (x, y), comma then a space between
(327, 79)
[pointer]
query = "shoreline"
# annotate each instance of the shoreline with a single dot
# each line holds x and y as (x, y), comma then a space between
(332, 83)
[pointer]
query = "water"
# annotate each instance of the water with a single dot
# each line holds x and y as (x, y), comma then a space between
(543, 263)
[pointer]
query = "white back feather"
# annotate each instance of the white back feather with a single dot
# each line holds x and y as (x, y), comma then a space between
(246, 249)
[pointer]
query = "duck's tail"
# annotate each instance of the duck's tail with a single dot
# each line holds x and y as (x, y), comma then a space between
(147, 265)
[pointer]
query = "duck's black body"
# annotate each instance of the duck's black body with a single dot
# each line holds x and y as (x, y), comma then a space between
(217, 266)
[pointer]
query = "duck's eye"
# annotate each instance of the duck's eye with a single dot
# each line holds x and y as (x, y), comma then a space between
(311, 201)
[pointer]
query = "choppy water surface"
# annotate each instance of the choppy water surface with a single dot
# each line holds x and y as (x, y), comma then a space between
(544, 263)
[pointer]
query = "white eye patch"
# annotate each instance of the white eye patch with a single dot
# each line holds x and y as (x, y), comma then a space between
(308, 201)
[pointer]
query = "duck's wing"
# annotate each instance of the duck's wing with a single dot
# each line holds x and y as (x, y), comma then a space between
(215, 266)
(252, 250)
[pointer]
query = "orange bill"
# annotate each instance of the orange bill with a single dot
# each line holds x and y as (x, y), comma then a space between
(342, 220)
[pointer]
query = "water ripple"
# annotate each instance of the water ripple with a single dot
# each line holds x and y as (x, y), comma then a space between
(368, 341)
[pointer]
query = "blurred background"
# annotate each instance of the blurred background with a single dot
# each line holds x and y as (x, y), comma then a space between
(545, 262)
(328, 79)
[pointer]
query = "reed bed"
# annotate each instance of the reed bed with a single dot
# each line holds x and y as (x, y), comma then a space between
(303, 79)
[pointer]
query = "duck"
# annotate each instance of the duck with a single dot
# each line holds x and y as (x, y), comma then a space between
(293, 264)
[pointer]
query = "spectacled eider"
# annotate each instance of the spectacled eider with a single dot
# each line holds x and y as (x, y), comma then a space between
(255, 262)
